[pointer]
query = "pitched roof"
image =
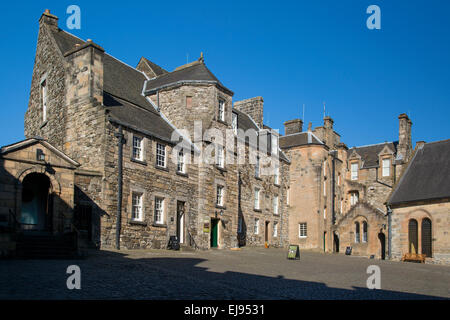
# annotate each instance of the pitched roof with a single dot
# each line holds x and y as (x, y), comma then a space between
(194, 72)
(427, 175)
(369, 153)
(155, 68)
(299, 139)
(31, 141)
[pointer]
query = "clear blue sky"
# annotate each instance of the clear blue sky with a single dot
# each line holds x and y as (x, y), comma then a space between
(289, 52)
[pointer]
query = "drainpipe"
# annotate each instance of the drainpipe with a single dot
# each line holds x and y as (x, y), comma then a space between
(333, 191)
(389, 213)
(121, 141)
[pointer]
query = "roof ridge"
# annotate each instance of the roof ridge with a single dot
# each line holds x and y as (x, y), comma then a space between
(371, 145)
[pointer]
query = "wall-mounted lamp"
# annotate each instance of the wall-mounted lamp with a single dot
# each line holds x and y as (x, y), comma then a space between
(40, 156)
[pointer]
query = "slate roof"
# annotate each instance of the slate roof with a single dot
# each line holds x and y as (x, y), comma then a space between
(156, 69)
(427, 175)
(369, 154)
(244, 121)
(298, 139)
(122, 86)
(196, 72)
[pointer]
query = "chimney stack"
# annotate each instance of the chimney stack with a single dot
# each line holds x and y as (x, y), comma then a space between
(253, 107)
(293, 126)
(404, 138)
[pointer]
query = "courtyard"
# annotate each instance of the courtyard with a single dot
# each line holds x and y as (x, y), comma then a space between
(249, 273)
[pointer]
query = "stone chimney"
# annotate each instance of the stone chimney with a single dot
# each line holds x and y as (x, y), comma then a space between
(293, 126)
(419, 145)
(49, 19)
(86, 73)
(253, 107)
(404, 138)
(328, 122)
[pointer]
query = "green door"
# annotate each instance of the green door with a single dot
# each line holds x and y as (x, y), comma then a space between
(214, 232)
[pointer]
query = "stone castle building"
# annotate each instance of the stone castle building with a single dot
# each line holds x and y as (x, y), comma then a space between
(131, 157)
(339, 194)
(122, 128)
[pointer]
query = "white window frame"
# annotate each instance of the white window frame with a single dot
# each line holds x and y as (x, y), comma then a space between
(220, 159)
(256, 227)
(275, 229)
(277, 175)
(234, 123)
(181, 165)
(257, 196)
(275, 205)
(159, 210)
(161, 155)
(274, 144)
(44, 99)
(302, 230)
(136, 206)
(138, 148)
(354, 170)
(354, 198)
(220, 195)
(386, 168)
(222, 110)
(257, 167)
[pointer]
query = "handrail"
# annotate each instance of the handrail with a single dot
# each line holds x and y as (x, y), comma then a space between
(192, 240)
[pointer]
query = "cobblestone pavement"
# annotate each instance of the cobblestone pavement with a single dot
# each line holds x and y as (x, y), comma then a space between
(251, 273)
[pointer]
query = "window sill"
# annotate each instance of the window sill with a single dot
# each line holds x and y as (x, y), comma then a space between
(137, 222)
(161, 168)
(257, 210)
(222, 122)
(182, 174)
(159, 225)
(221, 207)
(258, 178)
(43, 124)
(138, 161)
(302, 237)
(277, 185)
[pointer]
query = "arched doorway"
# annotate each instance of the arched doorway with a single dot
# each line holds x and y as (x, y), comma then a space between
(426, 237)
(36, 212)
(413, 241)
(336, 242)
(382, 238)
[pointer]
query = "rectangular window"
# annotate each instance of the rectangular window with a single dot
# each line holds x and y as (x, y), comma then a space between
(256, 226)
(44, 100)
(160, 155)
(302, 231)
(257, 191)
(188, 102)
(219, 197)
(137, 148)
(275, 229)
(354, 198)
(180, 162)
(257, 169)
(354, 170)
(220, 157)
(277, 175)
(386, 167)
(159, 210)
(221, 110)
(136, 210)
(275, 205)
(234, 123)
(274, 144)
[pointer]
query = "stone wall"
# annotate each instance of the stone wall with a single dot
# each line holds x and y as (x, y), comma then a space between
(253, 107)
(438, 213)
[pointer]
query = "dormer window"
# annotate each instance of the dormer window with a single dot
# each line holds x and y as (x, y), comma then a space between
(354, 171)
(386, 167)
(274, 144)
(234, 123)
(222, 110)
(44, 99)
